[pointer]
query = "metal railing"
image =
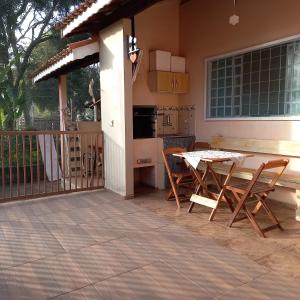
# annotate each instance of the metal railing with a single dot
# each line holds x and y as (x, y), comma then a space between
(42, 163)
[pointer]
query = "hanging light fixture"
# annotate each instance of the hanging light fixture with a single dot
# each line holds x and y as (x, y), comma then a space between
(234, 19)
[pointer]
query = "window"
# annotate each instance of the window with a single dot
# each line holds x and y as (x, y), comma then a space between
(260, 83)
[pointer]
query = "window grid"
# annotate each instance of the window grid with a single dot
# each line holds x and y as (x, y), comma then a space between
(264, 82)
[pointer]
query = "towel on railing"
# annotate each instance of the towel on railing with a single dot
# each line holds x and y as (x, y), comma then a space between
(49, 154)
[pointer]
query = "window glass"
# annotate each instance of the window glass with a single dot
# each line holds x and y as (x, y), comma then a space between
(264, 82)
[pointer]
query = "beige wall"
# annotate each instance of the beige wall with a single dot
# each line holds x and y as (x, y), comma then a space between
(205, 32)
(116, 108)
(157, 28)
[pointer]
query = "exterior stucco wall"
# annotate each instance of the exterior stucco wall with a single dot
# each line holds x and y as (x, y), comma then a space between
(205, 32)
(157, 28)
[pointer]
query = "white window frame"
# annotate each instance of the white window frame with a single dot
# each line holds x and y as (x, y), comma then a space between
(234, 53)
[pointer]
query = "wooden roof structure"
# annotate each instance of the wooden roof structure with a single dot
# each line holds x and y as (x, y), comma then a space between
(74, 56)
(94, 15)
(89, 17)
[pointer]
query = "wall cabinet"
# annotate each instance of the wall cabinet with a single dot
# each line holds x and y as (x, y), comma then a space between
(160, 61)
(180, 83)
(160, 81)
(177, 64)
(168, 82)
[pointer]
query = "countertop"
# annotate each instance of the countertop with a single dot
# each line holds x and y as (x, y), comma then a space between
(174, 136)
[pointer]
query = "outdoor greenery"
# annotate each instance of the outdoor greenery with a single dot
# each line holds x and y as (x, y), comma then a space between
(12, 151)
(27, 40)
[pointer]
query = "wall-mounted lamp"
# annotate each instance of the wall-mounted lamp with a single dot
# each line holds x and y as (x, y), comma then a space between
(133, 50)
(135, 54)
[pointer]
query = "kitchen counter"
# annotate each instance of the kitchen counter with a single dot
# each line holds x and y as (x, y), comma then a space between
(172, 136)
(148, 161)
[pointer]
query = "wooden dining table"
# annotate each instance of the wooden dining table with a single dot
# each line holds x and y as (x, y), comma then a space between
(201, 164)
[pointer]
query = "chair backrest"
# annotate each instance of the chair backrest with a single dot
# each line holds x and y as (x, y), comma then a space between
(167, 152)
(278, 166)
(200, 146)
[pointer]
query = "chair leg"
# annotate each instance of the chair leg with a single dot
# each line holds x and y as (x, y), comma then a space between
(219, 199)
(240, 202)
(218, 180)
(251, 214)
(212, 214)
(229, 203)
(253, 221)
(257, 208)
(174, 189)
(198, 188)
(191, 207)
(269, 212)
(170, 194)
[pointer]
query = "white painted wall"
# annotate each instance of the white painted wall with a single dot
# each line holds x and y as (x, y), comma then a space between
(116, 108)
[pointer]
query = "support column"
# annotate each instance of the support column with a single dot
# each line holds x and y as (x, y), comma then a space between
(116, 108)
(62, 90)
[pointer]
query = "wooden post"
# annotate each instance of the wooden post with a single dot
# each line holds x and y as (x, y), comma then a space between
(62, 90)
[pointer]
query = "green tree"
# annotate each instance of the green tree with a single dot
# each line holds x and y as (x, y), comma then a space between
(45, 93)
(11, 103)
(24, 25)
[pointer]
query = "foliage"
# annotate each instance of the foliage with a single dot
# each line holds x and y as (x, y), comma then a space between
(14, 146)
(12, 101)
(78, 86)
(24, 25)
(45, 94)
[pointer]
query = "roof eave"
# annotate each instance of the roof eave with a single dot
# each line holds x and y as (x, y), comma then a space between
(89, 12)
(103, 13)
(79, 56)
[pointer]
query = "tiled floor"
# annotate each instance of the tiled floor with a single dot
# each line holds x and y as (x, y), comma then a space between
(279, 252)
(96, 246)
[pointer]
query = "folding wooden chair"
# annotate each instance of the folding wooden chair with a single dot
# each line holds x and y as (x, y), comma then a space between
(182, 178)
(245, 190)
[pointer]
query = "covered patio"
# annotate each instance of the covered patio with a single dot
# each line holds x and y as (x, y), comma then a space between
(236, 90)
(93, 245)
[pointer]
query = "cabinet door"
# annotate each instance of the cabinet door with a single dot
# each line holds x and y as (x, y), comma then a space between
(160, 81)
(181, 83)
(164, 82)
